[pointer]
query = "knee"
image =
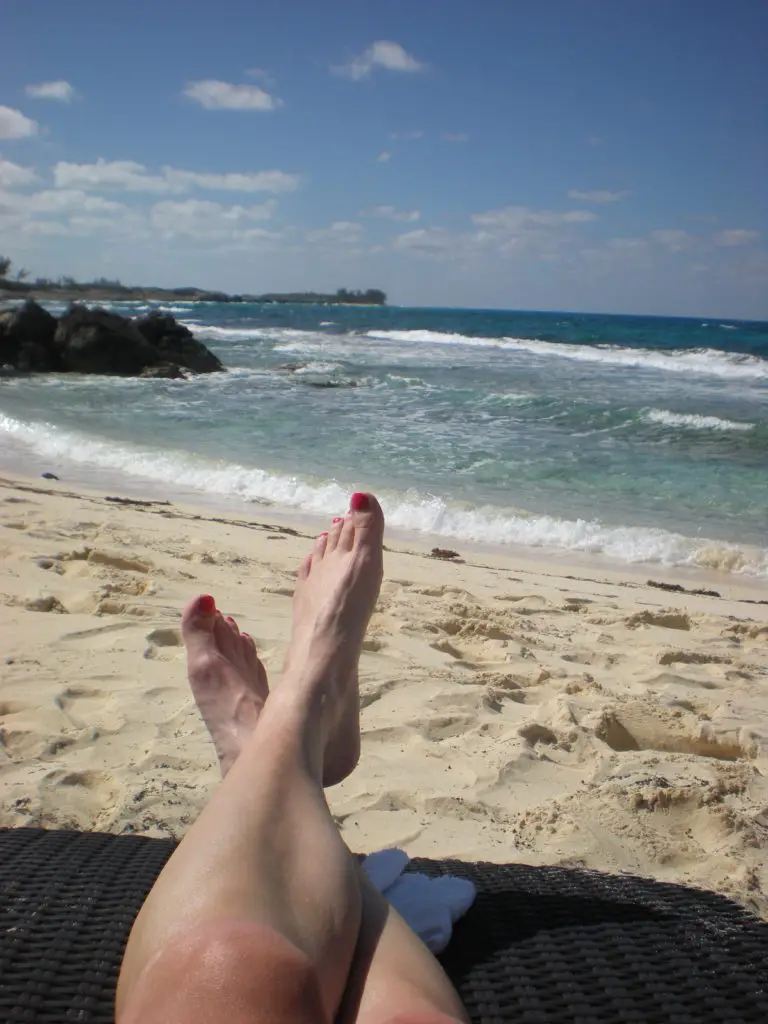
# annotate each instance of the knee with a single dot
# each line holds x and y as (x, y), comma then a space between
(422, 1018)
(229, 970)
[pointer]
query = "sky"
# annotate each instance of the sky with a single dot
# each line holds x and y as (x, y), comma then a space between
(585, 155)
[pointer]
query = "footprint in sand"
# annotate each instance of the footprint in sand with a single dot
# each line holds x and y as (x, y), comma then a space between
(45, 603)
(159, 639)
(116, 561)
(444, 646)
(692, 658)
(78, 799)
(89, 707)
(644, 728)
(669, 618)
(535, 733)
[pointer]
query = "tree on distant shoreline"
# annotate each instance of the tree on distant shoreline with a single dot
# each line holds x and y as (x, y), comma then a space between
(106, 288)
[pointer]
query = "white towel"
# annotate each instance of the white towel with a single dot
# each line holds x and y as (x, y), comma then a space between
(430, 906)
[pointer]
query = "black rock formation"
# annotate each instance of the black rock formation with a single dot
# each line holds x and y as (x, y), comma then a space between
(95, 341)
(177, 343)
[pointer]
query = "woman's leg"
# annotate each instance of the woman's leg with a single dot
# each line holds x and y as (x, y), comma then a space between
(265, 851)
(393, 972)
(392, 967)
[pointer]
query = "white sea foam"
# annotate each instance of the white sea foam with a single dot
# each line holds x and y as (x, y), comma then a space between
(322, 368)
(236, 333)
(409, 511)
(694, 421)
(710, 362)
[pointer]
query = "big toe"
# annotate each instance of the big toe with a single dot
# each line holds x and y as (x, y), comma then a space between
(197, 622)
(366, 517)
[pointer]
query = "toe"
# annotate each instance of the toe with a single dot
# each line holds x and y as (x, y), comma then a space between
(333, 534)
(248, 651)
(233, 625)
(365, 511)
(197, 622)
(320, 545)
(364, 523)
(305, 567)
(255, 669)
(227, 638)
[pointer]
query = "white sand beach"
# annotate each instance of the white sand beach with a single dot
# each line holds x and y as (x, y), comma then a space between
(513, 709)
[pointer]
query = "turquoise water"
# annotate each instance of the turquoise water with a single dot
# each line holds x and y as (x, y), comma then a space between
(645, 439)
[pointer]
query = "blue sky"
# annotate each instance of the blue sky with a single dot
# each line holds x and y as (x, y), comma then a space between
(603, 155)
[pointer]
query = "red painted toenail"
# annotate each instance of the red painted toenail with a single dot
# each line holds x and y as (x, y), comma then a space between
(359, 502)
(207, 604)
(325, 534)
(338, 519)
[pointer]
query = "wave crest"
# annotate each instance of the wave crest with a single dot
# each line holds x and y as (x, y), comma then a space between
(706, 361)
(693, 421)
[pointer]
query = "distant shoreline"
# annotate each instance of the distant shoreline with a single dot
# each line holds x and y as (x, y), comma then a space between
(96, 293)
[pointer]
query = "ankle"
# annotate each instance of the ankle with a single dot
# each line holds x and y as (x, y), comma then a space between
(287, 737)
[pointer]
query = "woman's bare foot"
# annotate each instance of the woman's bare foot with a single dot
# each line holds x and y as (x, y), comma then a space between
(228, 681)
(338, 584)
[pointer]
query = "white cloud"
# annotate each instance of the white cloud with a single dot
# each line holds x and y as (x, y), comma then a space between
(381, 54)
(14, 125)
(133, 177)
(75, 212)
(341, 232)
(52, 201)
(200, 218)
(516, 218)
(59, 90)
(250, 181)
(122, 174)
(415, 134)
(674, 239)
(454, 137)
(598, 195)
(12, 175)
(433, 243)
(215, 95)
(508, 232)
(424, 238)
(56, 201)
(392, 213)
(384, 157)
(127, 224)
(735, 236)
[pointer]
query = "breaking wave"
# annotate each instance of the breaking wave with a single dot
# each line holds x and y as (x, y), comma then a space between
(711, 362)
(405, 510)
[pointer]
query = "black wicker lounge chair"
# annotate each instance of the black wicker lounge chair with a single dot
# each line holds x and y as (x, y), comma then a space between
(540, 945)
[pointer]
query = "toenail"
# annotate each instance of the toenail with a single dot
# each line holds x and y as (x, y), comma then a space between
(324, 534)
(359, 502)
(338, 519)
(207, 604)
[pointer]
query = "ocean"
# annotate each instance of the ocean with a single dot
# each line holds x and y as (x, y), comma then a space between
(637, 439)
